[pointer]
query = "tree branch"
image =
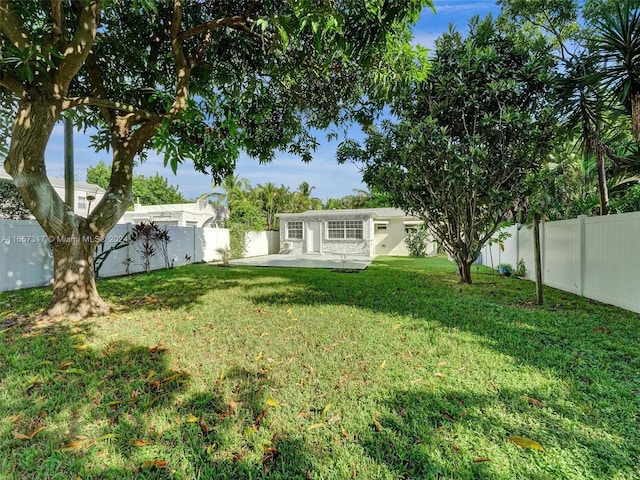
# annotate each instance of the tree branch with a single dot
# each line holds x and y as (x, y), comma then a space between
(78, 50)
(12, 84)
(58, 25)
(97, 84)
(183, 70)
(11, 26)
(110, 105)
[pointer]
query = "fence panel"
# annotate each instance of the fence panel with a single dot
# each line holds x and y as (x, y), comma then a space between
(26, 258)
(597, 257)
(261, 243)
(562, 249)
(612, 260)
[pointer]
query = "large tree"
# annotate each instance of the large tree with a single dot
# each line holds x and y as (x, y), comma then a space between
(466, 139)
(198, 79)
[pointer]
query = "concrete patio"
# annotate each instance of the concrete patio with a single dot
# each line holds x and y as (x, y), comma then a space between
(332, 261)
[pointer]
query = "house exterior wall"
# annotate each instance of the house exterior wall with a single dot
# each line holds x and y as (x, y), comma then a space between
(390, 240)
(318, 224)
(183, 214)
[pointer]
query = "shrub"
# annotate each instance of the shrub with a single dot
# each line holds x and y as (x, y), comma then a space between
(417, 241)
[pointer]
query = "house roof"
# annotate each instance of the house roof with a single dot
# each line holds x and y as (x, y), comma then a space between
(59, 182)
(371, 212)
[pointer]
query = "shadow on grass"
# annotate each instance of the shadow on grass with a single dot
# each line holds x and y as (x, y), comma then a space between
(68, 410)
(432, 434)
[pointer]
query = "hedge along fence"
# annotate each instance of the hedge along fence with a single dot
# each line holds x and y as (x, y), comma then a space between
(597, 257)
(26, 258)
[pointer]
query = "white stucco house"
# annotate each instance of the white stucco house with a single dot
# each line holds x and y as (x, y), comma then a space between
(197, 214)
(368, 232)
(87, 195)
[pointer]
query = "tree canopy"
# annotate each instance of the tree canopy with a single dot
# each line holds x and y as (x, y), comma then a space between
(466, 139)
(200, 79)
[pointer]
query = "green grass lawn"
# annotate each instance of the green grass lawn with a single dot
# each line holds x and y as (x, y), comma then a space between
(394, 372)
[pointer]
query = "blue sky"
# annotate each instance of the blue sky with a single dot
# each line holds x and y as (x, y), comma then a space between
(329, 178)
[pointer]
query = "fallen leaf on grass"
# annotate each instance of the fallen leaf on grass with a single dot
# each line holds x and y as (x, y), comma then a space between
(156, 463)
(138, 442)
(28, 436)
(335, 418)
(526, 443)
(157, 348)
(72, 446)
(81, 347)
(533, 401)
(271, 402)
(447, 415)
(173, 377)
(315, 426)
(460, 402)
(193, 419)
(482, 459)
(150, 374)
(382, 365)
(14, 418)
(438, 374)
(601, 330)
(378, 426)
(204, 427)
(259, 418)
(233, 406)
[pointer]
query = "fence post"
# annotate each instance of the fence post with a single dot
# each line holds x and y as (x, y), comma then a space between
(195, 241)
(2, 270)
(582, 253)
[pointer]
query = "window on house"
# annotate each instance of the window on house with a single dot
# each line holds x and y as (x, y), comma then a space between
(294, 230)
(82, 202)
(413, 228)
(345, 230)
(380, 227)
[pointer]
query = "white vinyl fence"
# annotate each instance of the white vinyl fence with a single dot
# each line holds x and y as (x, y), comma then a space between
(597, 257)
(26, 259)
(262, 243)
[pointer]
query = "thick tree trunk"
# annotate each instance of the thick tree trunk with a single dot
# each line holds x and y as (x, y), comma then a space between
(635, 115)
(537, 257)
(74, 288)
(76, 237)
(464, 269)
(603, 192)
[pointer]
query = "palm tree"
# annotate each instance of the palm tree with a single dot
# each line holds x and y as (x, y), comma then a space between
(234, 189)
(582, 99)
(618, 43)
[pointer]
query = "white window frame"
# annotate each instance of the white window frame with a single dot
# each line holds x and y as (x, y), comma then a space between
(344, 230)
(82, 202)
(296, 229)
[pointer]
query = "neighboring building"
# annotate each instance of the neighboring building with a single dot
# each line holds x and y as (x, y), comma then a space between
(87, 195)
(369, 231)
(198, 214)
